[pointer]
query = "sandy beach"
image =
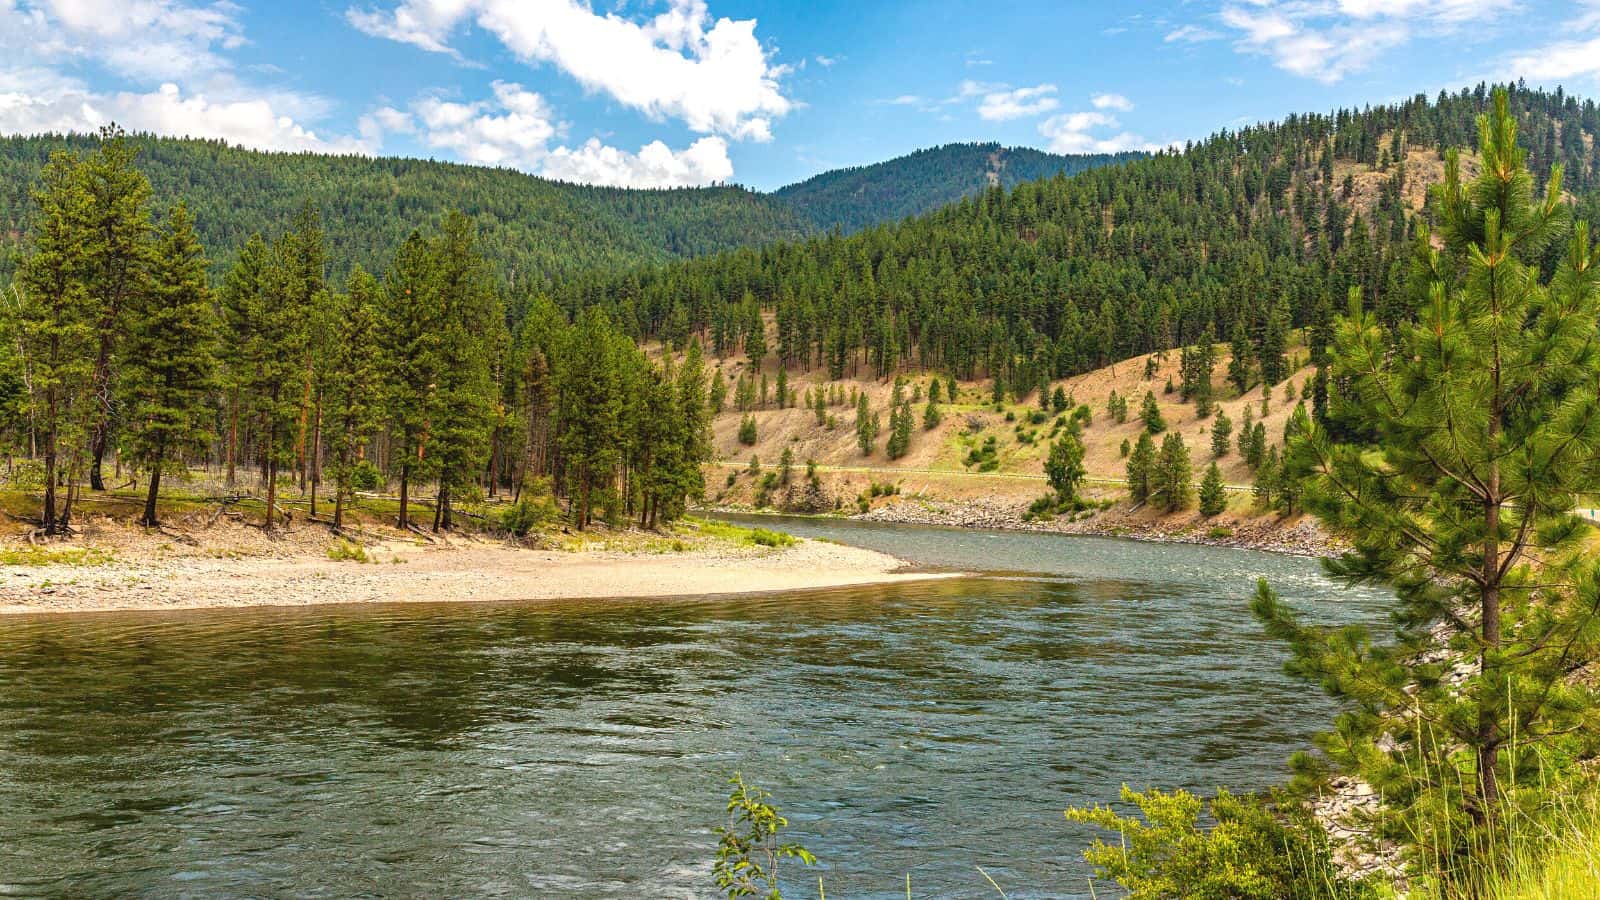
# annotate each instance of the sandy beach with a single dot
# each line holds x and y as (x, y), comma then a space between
(463, 570)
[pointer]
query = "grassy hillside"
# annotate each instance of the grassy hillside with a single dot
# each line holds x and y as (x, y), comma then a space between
(532, 229)
(921, 182)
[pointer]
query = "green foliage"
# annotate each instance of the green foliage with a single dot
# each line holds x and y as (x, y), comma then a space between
(1142, 472)
(1221, 435)
(1150, 415)
(1252, 850)
(1064, 466)
(535, 509)
(866, 425)
(348, 551)
(534, 229)
(1213, 496)
(747, 431)
(1172, 475)
(1480, 418)
(750, 847)
(863, 196)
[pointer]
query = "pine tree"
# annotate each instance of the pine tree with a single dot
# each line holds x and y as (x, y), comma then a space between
(1242, 360)
(931, 416)
(783, 387)
(1064, 466)
(167, 375)
(471, 330)
(412, 335)
(1221, 435)
(1246, 431)
(1172, 476)
(899, 422)
(1213, 496)
(866, 425)
(354, 382)
(1150, 415)
(1267, 479)
(1485, 419)
(56, 320)
(719, 392)
(589, 408)
(1274, 340)
(117, 271)
(1142, 468)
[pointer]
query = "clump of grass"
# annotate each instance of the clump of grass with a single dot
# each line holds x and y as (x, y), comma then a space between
(53, 556)
(348, 551)
(735, 534)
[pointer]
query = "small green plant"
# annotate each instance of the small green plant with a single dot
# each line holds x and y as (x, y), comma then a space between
(50, 556)
(364, 476)
(348, 551)
(750, 846)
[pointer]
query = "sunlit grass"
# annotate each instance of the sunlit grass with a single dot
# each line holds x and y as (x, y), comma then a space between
(53, 556)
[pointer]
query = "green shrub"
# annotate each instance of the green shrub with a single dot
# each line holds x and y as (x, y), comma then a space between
(528, 513)
(364, 476)
(1255, 849)
(348, 551)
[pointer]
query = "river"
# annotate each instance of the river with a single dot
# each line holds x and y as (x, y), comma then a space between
(580, 749)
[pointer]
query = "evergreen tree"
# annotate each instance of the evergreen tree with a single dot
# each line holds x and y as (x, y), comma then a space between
(1142, 468)
(1241, 362)
(1221, 435)
(167, 374)
(117, 271)
(899, 422)
(1064, 466)
(930, 414)
(866, 425)
(1274, 340)
(1267, 479)
(1246, 433)
(1150, 415)
(719, 392)
(354, 382)
(1213, 496)
(56, 319)
(412, 346)
(1172, 475)
(589, 410)
(1485, 417)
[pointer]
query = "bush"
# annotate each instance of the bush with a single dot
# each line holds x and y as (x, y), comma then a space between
(528, 513)
(747, 431)
(1255, 850)
(364, 476)
(348, 551)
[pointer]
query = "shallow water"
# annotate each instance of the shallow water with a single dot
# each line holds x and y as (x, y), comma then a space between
(579, 749)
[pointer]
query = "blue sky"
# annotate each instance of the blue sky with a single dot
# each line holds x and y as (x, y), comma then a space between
(680, 92)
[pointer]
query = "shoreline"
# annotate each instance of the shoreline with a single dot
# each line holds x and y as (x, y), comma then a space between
(464, 571)
(1298, 536)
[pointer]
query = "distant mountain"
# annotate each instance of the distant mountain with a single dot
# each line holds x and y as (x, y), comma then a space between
(923, 181)
(534, 229)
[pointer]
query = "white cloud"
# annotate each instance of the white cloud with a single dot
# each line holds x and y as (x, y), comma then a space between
(1086, 132)
(1190, 34)
(169, 72)
(715, 77)
(1018, 103)
(655, 165)
(1327, 40)
(827, 61)
(1576, 56)
(68, 107)
(516, 127)
(1111, 101)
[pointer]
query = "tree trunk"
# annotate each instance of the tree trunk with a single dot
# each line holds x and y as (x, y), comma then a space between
(233, 436)
(338, 501)
(50, 486)
(149, 519)
(405, 486)
(97, 449)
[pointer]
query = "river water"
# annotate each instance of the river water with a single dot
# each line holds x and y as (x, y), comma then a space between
(580, 749)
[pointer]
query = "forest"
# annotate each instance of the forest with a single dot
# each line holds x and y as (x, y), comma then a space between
(862, 196)
(118, 351)
(1249, 233)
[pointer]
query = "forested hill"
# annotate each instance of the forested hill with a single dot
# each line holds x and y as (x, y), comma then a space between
(533, 229)
(1249, 233)
(923, 181)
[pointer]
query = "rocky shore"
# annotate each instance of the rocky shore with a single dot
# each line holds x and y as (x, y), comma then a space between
(1299, 535)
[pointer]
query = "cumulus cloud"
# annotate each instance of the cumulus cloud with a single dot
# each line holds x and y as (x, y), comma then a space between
(1017, 103)
(1327, 41)
(714, 76)
(1111, 101)
(1093, 131)
(168, 67)
(1575, 56)
(516, 128)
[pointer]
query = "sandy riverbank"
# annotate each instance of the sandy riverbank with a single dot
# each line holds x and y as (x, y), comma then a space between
(465, 570)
